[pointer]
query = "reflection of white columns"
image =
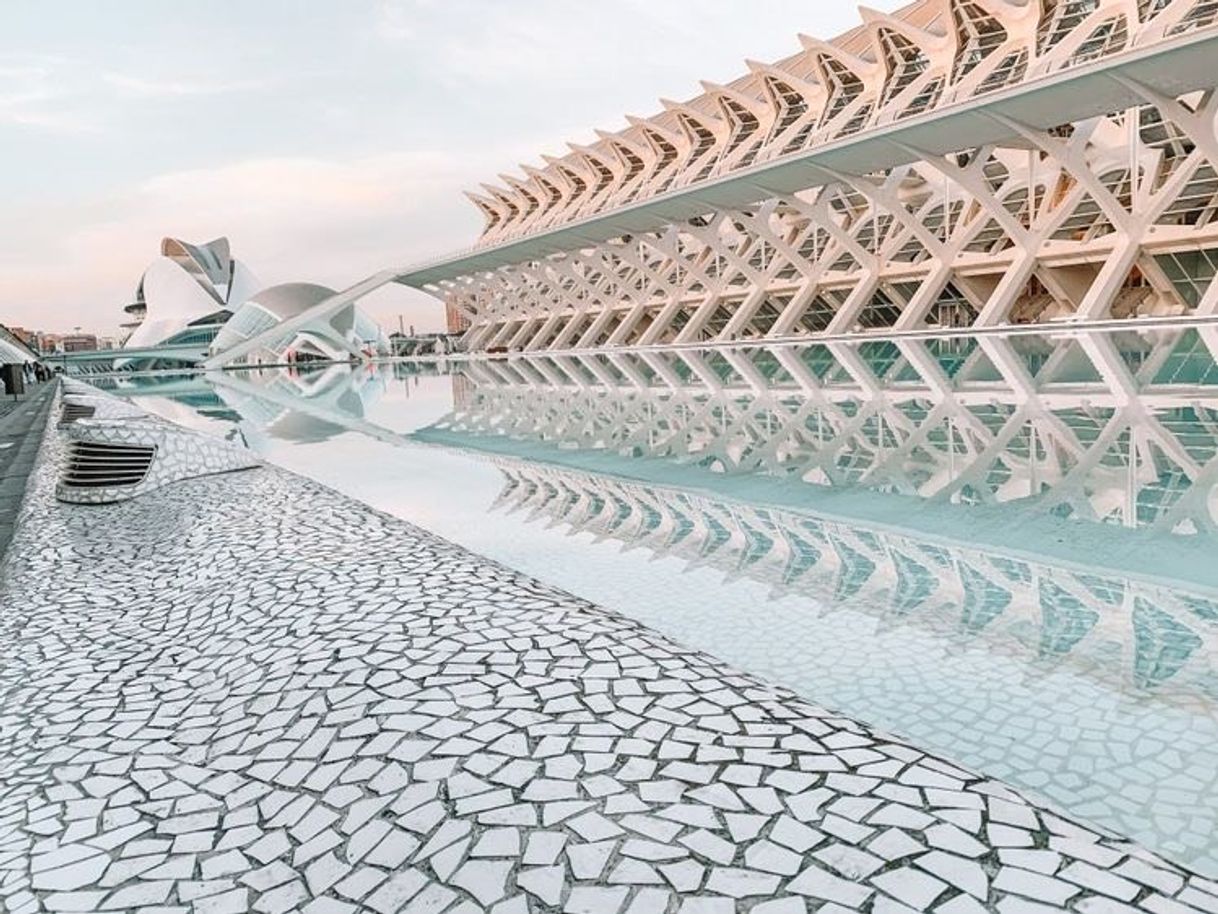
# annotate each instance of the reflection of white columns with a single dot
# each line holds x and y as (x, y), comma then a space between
(799, 553)
(1050, 437)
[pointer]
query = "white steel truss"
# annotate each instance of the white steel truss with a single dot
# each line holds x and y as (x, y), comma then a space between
(927, 56)
(1114, 216)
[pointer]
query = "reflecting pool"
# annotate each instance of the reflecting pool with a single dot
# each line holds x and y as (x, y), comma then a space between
(1002, 548)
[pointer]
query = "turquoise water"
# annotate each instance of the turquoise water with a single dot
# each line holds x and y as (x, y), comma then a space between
(999, 549)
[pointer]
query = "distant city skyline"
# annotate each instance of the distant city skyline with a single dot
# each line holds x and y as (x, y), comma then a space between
(327, 141)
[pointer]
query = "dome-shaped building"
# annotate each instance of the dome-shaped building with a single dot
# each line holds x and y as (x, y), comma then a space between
(349, 333)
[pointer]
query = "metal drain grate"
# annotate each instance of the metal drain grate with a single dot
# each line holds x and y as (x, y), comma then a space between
(73, 411)
(95, 466)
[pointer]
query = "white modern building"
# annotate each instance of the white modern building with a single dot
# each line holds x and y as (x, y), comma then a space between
(960, 163)
(13, 351)
(187, 294)
(340, 336)
(197, 300)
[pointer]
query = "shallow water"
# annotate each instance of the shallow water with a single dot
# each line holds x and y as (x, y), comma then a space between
(1002, 550)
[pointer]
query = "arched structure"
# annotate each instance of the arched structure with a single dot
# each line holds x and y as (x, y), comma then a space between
(337, 337)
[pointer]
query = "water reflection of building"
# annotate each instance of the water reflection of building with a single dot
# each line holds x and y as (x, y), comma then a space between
(183, 395)
(1150, 631)
(1120, 428)
(294, 405)
(721, 460)
(924, 479)
(1094, 688)
(307, 405)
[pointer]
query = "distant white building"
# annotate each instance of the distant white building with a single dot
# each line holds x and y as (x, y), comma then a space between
(187, 294)
(198, 295)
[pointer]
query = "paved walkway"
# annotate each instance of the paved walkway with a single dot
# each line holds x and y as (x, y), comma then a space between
(247, 692)
(21, 423)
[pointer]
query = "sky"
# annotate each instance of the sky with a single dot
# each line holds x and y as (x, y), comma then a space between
(327, 140)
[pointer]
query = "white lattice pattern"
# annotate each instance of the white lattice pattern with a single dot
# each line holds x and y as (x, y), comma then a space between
(1109, 217)
(1098, 427)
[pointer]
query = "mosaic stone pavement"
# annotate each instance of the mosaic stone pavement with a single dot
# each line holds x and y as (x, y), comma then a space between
(248, 693)
(21, 422)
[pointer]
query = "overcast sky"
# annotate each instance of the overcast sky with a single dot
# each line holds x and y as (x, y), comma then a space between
(326, 139)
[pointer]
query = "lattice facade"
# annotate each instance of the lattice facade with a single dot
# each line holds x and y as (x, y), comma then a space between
(1110, 217)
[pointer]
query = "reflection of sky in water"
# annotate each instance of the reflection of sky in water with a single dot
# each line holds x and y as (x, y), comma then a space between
(976, 620)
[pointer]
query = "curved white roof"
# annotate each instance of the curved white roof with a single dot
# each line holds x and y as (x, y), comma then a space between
(186, 283)
(174, 299)
(13, 351)
(290, 298)
(342, 334)
(212, 261)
